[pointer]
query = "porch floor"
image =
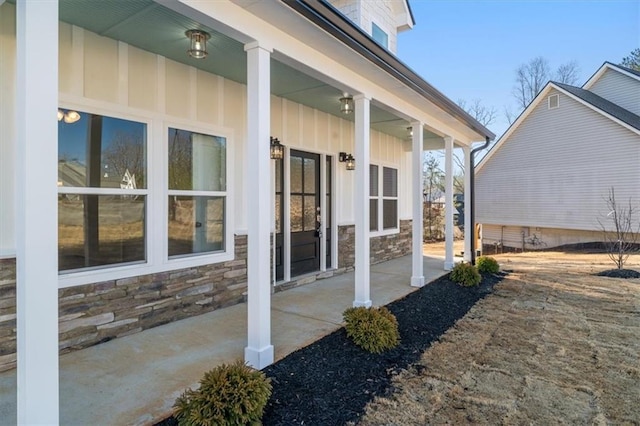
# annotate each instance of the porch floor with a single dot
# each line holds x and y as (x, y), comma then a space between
(135, 380)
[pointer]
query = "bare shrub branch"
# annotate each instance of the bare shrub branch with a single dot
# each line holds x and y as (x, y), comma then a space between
(619, 229)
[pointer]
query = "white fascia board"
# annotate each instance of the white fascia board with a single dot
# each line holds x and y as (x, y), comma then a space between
(325, 62)
(607, 66)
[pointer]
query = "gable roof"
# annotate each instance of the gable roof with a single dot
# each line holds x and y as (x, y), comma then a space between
(604, 105)
(610, 66)
(598, 104)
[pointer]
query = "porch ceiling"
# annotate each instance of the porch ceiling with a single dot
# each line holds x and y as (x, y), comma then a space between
(150, 26)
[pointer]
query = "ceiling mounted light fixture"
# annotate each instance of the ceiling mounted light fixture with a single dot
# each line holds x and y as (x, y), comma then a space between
(346, 104)
(68, 116)
(198, 47)
(277, 149)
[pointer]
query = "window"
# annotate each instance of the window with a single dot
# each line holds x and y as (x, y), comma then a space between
(383, 199)
(379, 36)
(102, 191)
(197, 193)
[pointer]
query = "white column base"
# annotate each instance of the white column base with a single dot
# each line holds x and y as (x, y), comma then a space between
(449, 265)
(417, 281)
(359, 304)
(259, 358)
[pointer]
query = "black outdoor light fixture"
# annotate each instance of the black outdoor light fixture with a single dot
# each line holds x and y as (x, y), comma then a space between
(343, 157)
(277, 149)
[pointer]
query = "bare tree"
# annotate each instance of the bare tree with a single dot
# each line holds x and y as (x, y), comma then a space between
(568, 73)
(433, 188)
(126, 152)
(620, 229)
(534, 75)
(632, 61)
(530, 79)
(485, 115)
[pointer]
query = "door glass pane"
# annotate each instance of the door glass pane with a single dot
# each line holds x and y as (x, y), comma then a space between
(373, 214)
(100, 152)
(197, 161)
(196, 224)
(373, 181)
(390, 214)
(390, 184)
(309, 213)
(309, 176)
(296, 174)
(296, 213)
(95, 230)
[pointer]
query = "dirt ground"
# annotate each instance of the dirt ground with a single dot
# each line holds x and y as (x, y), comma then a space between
(552, 345)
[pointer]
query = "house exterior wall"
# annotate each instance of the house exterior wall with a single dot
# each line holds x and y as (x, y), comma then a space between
(620, 89)
(365, 13)
(556, 167)
(102, 75)
(496, 238)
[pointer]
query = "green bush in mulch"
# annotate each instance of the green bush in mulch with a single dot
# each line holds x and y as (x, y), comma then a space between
(487, 265)
(466, 275)
(233, 394)
(373, 329)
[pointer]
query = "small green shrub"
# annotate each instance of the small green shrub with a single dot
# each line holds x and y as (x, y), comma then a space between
(373, 329)
(487, 265)
(233, 394)
(465, 274)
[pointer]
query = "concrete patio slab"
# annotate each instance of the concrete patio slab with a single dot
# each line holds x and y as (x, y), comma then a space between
(134, 380)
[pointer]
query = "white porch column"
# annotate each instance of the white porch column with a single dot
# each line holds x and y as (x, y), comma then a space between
(448, 202)
(259, 351)
(362, 273)
(37, 211)
(417, 276)
(468, 232)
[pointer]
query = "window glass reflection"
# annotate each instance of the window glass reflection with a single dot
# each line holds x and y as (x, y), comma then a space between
(196, 224)
(101, 152)
(196, 161)
(97, 230)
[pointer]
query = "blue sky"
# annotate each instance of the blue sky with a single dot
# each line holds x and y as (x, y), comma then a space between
(470, 49)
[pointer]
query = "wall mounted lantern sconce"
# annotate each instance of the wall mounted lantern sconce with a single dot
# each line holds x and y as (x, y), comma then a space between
(277, 149)
(343, 157)
(410, 130)
(198, 47)
(346, 104)
(68, 116)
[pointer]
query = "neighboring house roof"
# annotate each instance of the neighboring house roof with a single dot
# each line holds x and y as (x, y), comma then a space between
(600, 105)
(335, 23)
(604, 105)
(610, 66)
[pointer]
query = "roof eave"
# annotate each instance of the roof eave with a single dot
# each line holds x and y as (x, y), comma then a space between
(327, 18)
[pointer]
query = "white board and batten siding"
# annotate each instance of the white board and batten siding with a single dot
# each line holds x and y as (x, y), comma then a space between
(102, 75)
(555, 169)
(620, 89)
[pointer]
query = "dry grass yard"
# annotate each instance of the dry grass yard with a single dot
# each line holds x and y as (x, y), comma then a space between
(552, 345)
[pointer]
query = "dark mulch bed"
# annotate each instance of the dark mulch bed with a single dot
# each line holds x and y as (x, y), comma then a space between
(619, 273)
(330, 381)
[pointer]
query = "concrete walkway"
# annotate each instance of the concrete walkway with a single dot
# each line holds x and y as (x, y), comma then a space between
(135, 380)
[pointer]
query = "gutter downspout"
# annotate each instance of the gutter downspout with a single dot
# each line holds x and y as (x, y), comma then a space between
(473, 199)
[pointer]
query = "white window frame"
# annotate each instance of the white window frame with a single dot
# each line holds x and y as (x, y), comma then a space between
(156, 192)
(380, 231)
(196, 259)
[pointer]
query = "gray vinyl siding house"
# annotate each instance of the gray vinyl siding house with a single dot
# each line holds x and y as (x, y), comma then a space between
(544, 183)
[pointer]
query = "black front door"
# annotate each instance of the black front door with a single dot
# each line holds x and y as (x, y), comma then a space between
(305, 212)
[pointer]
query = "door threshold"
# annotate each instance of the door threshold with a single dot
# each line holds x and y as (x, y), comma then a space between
(307, 278)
